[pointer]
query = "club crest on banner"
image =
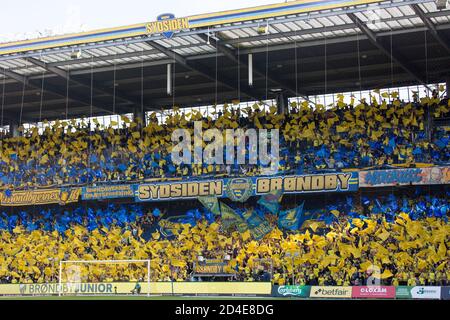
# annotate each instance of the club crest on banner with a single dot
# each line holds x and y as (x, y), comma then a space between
(239, 189)
(166, 16)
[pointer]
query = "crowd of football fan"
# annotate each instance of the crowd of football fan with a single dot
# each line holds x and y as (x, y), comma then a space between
(409, 246)
(351, 135)
(400, 240)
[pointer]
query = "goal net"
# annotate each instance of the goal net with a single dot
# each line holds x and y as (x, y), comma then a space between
(104, 277)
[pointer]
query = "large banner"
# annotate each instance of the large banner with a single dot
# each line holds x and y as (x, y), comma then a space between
(107, 192)
(236, 189)
(240, 189)
(411, 176)
(39, 197)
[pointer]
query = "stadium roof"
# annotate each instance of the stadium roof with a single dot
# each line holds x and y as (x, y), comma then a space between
(352, 44)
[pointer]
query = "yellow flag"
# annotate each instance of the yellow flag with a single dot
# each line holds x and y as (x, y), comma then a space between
(126, 234)
(257, 123)
(17, 230)
(358, 222)
(246, 235)
(333, 269)
(442, 266)
(422, 264)
(442, 251)
(335, 213)
(365, 265)
(36, 270)
(44, 159)
(314, 225)
(386, 274)
(125, 119)
(136, 135)
(155, 235)
(132, 148)
(384, 235)
(178, 263)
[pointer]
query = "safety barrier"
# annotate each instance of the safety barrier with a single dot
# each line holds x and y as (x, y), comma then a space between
(232, 288)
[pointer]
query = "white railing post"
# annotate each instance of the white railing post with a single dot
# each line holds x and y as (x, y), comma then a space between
(60, 275)
(148, 278)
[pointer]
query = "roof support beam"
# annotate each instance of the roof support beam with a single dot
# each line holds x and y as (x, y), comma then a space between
(197, 68)
(103, 58)
(97, 87)
(13, 75)
(372, 37)
(287, 34)
(232, 55)
(26, 82)
(37, 84)
(60, 72)
(431, 27)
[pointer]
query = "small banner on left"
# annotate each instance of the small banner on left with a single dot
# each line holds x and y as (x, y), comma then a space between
(36, 197)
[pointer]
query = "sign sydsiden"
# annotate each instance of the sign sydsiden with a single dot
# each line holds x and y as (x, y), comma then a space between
(167, 24)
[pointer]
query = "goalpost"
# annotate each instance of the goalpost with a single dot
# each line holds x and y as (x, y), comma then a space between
(74, 281)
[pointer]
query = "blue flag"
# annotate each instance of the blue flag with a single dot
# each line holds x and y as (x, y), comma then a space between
(257, 225)
(291, 219)
(271, 201)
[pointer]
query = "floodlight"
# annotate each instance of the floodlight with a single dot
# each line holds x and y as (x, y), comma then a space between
(441, 4)
(75, 54)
